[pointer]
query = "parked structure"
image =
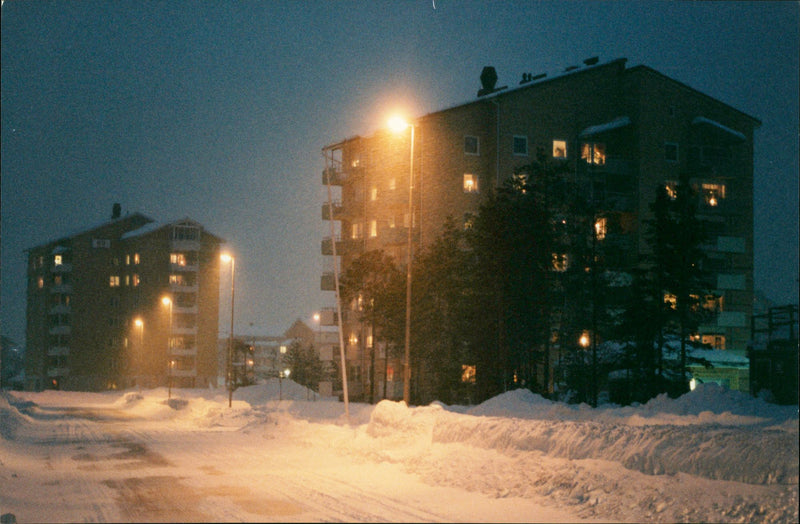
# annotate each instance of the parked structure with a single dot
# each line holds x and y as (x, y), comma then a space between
(774, 354)
(623, 132)
(128, 302)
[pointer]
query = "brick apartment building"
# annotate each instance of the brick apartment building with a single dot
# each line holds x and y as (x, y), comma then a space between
(128, 302)
(623, 131)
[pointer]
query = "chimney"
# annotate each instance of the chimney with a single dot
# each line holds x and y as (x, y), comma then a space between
(116, 211)
(488, 81)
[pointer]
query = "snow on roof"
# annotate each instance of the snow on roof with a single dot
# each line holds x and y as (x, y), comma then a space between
(85, 230)
(704, 120)
(719, 357)
(147, 228)
(618, 122)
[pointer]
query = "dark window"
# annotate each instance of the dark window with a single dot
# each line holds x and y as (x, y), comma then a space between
(521, 145)
(471, 145)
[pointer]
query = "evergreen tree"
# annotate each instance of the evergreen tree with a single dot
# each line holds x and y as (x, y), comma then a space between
(377, 286)
(679, 286)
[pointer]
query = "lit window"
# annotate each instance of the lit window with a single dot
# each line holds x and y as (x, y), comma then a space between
(560, 261)
(353, 339)
(559, 149)
(40, 282)
(470, 183)
(392, 222)
(671, 188)
(389, 373)
(392, 184)
(600, 228)
(712, 303)
(471, 145)
(713, 194)
(136, 258)
(127, 280)
(135, 279)
(177, 259)
(714, 340)
(356, 231)
(373, 228)
(671, 300)
(127, 260)
(670, 152)
(176, 279)
(594, 153)
(369, 341)
(58, 280)
(520, 145)
(467, 374)
(469, 222)
(283, 350)
(113, 281)
(373, 194)
(58, 260)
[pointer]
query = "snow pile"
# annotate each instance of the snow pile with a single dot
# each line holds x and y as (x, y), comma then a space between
(710, 455)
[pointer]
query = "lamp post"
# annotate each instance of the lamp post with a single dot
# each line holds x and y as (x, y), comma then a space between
(225, 257)
(139, 323)
(168, 302)
(397, 124)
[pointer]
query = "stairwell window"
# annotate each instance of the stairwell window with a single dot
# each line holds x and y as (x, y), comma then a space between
(520, 145)
(471, 145)
(670, 151)
(470, 183)
(560, 149)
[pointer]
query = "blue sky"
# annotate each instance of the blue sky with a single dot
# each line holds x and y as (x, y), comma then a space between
(219, 111)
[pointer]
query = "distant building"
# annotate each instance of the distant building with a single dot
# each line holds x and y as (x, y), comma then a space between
(623, 132)
(127, 302)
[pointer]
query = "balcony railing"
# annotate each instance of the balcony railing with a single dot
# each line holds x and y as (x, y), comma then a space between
(333, 176)
(338, 210)
(327, 281)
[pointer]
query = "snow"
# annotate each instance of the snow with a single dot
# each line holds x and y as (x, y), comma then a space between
(282, 453)
(618, 122)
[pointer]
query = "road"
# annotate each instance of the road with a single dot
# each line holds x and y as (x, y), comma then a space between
(100, 464)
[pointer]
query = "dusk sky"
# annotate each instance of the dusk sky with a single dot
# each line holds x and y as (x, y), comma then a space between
(219, 110)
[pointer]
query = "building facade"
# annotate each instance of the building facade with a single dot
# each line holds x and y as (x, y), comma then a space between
(128, 302)
(622, 131)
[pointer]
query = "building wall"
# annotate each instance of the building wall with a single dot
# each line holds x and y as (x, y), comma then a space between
(117, 276)
(659, 110)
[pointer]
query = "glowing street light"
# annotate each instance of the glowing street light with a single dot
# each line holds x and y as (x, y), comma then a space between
(398, 125)
(226, 257)
(139, 323)
(168, 302)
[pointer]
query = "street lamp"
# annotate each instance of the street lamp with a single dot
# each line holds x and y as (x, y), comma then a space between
(168, 302)
(398, 125)
(139, 323)
(225, 257)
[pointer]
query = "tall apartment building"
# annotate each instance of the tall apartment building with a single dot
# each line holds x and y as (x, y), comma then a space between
(128, 302)
(623, 132)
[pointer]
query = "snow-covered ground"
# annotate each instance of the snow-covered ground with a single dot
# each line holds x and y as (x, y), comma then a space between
(713, 455)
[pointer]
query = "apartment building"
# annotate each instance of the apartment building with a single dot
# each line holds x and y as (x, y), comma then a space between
(128, 302)
(623, 131)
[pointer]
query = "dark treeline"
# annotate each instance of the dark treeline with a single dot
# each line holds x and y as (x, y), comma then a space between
(529, 292)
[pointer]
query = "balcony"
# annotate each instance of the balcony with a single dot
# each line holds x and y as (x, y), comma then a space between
(184, 245)
(184, 373)
(57, 372)
(333, 176)
(57, 351)
(59, 330)
(61, 268)
(328, 317)
(65, 289)
(343, 247)
(183, 352)
(327, 281)
(60, 309)
(182, 287)
(338, 210)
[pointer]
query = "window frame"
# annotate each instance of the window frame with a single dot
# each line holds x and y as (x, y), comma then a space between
(566, 150)
(514, 150)
(468, 151)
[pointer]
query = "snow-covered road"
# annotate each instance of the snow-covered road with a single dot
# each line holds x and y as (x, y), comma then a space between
(713, 455)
